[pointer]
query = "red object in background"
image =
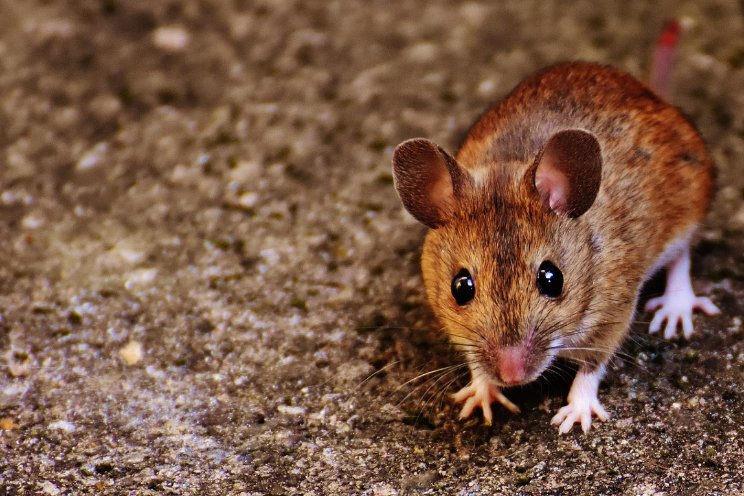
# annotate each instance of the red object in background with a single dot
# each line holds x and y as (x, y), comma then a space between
(663, 58)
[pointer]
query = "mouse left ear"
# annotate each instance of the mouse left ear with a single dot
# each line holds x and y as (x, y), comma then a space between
(568, 171)
(428, 181)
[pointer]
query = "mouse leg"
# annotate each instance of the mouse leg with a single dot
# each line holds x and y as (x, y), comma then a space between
(582, 402)
(481, 392)
(678, 301)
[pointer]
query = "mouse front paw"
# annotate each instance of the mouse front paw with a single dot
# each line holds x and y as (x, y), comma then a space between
(481, 392)
(579, 411)
(582, 403)
(677, 309)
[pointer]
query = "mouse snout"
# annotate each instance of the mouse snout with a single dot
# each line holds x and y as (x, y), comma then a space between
(512, 366)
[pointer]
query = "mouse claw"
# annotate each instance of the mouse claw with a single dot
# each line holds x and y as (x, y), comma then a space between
(481, 392)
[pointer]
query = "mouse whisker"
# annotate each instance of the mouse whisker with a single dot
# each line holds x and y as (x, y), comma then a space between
(431, 372)
(555, 370)
(377, 372)
(416, 388)
(468, 328)
(438, 395)
(442, 372)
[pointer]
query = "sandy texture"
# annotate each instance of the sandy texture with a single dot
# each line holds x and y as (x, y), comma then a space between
(203, 260)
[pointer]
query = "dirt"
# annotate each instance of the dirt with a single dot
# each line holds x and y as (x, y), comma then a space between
(208, 284)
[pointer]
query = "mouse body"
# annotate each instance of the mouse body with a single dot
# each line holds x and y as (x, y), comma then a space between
(563, 199)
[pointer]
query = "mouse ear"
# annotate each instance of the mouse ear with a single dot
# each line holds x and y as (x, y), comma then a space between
(568, 172)
(427, 180)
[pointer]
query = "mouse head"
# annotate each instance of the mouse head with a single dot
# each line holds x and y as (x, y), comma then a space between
(508, 260)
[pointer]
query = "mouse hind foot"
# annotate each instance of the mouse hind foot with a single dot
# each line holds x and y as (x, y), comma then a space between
(676, 305)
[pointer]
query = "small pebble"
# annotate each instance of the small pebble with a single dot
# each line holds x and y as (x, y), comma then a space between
(248, 200)
(50, 488)
(131, 353)
(63, 425)
(33, 221)
(93, 157)
(141, 277)
(171, 38)
(291, 410)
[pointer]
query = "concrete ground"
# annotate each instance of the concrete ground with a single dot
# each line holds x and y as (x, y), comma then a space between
(208, 284)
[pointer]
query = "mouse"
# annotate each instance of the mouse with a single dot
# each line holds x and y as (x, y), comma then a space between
(562, 200)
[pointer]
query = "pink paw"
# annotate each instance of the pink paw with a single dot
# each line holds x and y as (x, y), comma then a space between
(481, 392)
(582, 402)
(675, 309)
(579, 410)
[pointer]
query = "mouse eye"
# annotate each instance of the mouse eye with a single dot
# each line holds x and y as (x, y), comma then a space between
(549, 280)
(463, 287)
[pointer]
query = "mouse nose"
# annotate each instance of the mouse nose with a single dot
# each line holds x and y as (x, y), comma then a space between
(511, 368)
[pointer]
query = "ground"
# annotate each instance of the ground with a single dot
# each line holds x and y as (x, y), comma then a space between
(208, 284)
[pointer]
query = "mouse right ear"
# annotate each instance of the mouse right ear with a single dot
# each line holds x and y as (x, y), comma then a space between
(567, 173)
(426, 178)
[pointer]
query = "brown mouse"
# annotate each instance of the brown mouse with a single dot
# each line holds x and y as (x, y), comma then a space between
(564, 198)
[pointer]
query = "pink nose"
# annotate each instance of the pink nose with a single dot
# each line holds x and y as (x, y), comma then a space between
(512, 365)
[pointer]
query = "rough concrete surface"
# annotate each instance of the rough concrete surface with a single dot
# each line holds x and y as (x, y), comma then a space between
(208, 284)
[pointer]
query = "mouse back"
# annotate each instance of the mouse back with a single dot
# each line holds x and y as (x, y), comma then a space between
(656, 167)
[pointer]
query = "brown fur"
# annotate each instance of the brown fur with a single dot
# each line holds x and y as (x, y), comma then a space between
(655, 188)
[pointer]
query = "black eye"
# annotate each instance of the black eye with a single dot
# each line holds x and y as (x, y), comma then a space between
(549, 280)
(463, 287)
